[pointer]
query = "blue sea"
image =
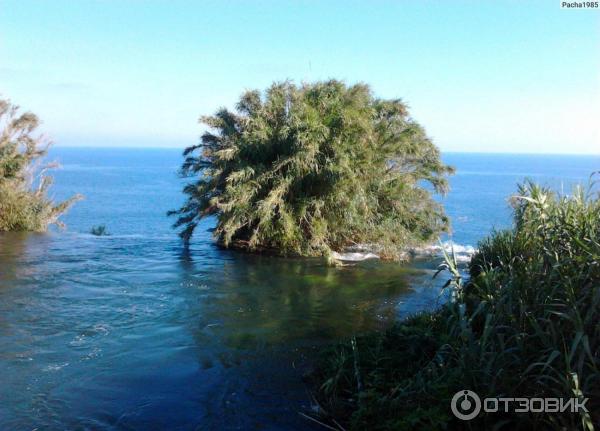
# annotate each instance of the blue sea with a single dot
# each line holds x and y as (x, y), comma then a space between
(132, 331)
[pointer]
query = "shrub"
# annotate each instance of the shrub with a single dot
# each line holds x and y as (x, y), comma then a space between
(24, 205)
(310, 169)
(99, 230)
(526, 324)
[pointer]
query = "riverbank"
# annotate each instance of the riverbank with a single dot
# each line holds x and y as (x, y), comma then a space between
(524, 325)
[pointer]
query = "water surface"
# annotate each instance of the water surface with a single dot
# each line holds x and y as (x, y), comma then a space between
(131, 331)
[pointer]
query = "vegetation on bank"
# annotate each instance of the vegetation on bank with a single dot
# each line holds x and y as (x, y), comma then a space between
(24, 205)
(525, 324)
(308, 169)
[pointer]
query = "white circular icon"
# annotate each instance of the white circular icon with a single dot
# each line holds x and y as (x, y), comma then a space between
(465, 405)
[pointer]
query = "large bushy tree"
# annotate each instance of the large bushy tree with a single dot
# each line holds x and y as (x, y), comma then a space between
(24, 205)
(314, 168)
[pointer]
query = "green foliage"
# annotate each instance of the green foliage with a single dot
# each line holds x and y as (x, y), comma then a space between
(309, 169)
(526, 324)
(23, 202)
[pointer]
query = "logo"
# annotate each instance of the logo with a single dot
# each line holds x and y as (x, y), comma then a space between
(465, 405)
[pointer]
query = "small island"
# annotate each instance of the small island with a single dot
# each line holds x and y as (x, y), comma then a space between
(312, 170)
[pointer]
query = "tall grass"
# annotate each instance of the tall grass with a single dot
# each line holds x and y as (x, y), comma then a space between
(24, 204)
(525, 324)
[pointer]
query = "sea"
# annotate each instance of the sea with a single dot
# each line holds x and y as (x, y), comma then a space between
(132, 331)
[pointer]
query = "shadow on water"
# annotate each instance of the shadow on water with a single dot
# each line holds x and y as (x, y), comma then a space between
(13, 246)
(135, 332)
(274, 300)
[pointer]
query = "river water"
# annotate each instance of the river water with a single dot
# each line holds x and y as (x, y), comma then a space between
(131, 331)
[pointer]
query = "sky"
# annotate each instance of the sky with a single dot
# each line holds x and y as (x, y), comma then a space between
(480, 76)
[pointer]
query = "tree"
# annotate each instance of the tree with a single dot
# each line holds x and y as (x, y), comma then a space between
(311, 169)
(24, 205)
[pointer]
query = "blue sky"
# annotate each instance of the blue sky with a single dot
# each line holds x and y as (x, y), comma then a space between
(492, 76)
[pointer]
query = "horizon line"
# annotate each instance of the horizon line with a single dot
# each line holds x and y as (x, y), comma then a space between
(158, 147)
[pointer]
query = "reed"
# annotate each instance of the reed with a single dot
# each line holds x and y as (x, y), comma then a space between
(24, 204)
(525, 323)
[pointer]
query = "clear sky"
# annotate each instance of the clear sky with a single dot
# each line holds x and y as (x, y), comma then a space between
(493, 76)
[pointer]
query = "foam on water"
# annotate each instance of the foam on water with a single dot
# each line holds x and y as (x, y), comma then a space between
(354, 256)
(463, 253)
